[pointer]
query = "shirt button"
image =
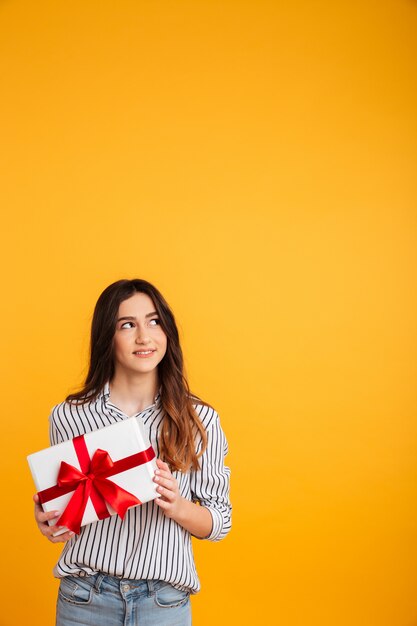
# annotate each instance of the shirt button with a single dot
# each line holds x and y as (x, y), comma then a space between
(126, 587)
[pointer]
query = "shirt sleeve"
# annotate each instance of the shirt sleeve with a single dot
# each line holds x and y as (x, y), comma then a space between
(55, 434)
(210, 485)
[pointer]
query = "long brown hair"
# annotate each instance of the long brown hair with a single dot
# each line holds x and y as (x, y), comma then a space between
(181, 424)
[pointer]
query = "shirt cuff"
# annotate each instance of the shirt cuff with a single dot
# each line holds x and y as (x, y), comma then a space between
(217, 525)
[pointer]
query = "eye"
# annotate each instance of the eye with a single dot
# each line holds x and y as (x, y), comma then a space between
(156, 320)
(126, 325)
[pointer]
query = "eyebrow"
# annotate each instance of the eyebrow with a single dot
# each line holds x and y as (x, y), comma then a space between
(132, 317)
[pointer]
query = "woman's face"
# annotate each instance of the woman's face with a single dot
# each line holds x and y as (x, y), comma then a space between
(139, 341)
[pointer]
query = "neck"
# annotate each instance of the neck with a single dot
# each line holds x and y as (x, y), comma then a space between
(134, 393)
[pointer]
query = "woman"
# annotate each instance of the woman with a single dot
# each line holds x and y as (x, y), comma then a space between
(141, 570)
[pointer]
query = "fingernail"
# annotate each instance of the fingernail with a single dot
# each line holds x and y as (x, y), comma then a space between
(157, 472)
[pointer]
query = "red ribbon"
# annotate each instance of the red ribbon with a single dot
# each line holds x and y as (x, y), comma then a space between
(92, 482)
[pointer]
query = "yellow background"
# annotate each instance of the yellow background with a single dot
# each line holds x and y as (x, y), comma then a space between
(256, 160)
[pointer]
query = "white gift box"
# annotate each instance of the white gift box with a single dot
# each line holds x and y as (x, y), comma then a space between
(120, 440)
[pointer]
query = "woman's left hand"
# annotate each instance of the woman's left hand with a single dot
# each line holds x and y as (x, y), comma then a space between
(170, 500)
(191, 516)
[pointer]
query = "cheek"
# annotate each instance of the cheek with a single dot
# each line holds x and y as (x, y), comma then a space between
(163, 342)
(118, 345)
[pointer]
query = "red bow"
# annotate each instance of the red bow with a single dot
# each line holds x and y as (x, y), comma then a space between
(92, 484)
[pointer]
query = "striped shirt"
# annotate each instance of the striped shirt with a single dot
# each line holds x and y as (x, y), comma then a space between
(146, 544)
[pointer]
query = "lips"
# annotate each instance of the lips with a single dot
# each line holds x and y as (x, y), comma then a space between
(144, 352)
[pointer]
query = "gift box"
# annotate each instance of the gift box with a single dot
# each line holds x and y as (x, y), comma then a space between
(93, 476)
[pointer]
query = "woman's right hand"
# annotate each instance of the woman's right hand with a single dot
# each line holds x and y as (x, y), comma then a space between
(42, 522)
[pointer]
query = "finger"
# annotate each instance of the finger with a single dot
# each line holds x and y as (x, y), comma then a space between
(47, 529)
(163, 473)
(166, 493)
(43, 517)
(169, 483)
(163, 504)
(61, 538)
(162, 465)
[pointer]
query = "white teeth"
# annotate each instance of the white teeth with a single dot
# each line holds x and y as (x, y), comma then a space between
(144, 352)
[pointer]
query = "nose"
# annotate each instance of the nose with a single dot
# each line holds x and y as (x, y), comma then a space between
(141, 336)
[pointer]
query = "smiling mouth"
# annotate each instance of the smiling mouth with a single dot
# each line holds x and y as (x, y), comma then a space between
(144, 351)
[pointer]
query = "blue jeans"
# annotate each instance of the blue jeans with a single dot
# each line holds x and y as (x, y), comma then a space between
(101, 600)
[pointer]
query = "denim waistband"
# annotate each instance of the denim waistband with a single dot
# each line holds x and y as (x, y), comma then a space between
(117, 582)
